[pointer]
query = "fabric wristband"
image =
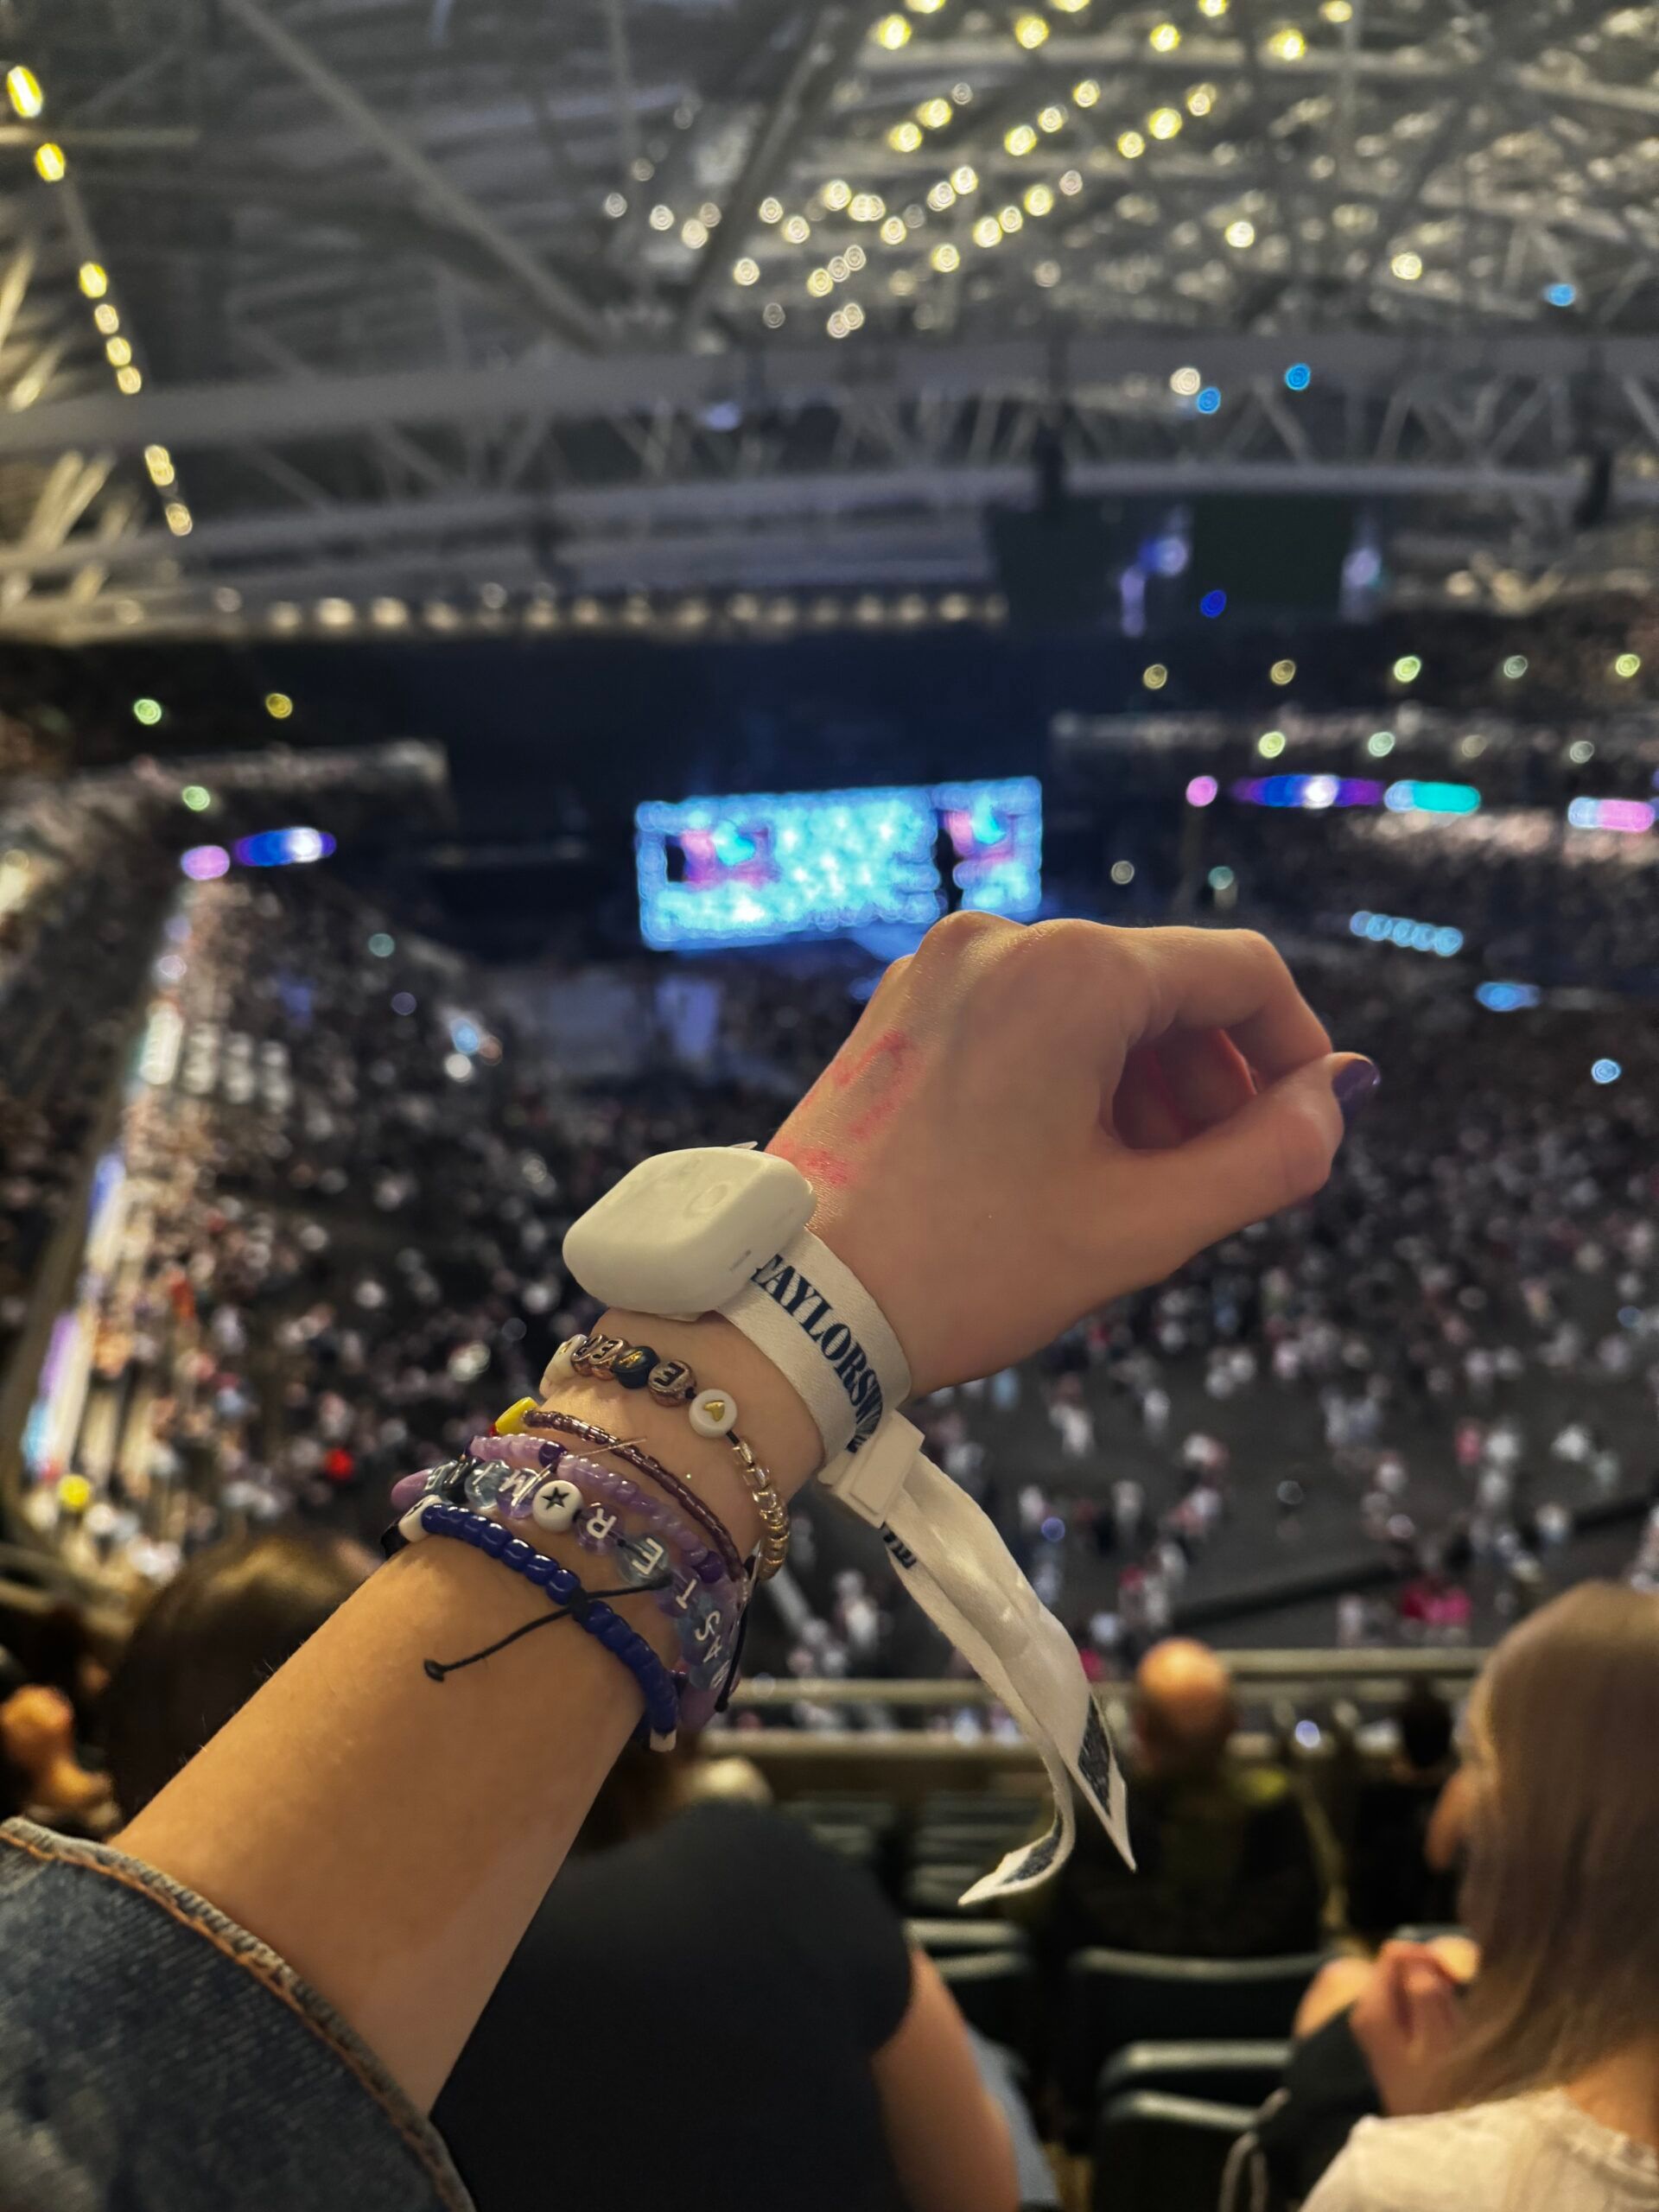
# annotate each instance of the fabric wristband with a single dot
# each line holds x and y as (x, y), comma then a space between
(810, 1315)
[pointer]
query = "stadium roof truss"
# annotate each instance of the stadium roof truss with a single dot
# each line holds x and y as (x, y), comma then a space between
(338, 314)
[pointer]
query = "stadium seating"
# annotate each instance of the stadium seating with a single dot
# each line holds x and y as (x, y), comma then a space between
(1155, 2152)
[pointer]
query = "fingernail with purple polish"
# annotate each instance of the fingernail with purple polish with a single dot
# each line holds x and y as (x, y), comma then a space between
(1355, 1088)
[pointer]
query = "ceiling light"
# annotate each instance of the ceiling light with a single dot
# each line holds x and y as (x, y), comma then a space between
(745, 271)
(965, 179)
(1164, 38)
(94, 279)
(49, 163)
(988, 232)
(1408, 267)
(943, 195)
(820, 284)
(868, 207)
(1053, 118)
(1020, 139)
(1085, 91)
(1040, 200)
(891, 31)
(1072, 183)
(1030, 30)
(771, 210)
(1240, 232)
(24, 87)
(798, 230)
(934, 113)
(837, 193)
(894, 230)
(1200, 99)
(1165, 122)
(388, 614)
(662, 218)
(1287, 43)
(693, 232)
(1011, 219)
(1131, 145)
(905, 138)
(945, 258)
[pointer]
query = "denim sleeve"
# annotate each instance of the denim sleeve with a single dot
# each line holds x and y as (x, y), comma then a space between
(155, 2057)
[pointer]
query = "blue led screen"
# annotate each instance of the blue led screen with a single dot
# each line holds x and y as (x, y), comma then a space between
(763, 865)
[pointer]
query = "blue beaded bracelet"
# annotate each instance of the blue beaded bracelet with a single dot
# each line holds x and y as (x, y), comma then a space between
(566, 1592)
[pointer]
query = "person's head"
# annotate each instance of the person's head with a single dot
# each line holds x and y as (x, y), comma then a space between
(37, 1729)
(1426, 1731)
(1564, 1812)
(1184, 1709)
(225, 1624)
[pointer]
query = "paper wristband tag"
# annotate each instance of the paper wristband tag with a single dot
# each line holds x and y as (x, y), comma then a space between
(808, 1313)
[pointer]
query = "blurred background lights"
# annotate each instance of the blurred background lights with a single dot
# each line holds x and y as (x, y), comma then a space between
(201, 863)
(1298, 377)
(402, 1002)
(1209, 400)
(1185, 383)
(1605, 1071)
(1282, 671)
(1240, 232)
(1560, 294)
(1155, 676)
(1627, 664)
(1507, 998)
(197, 797)
(1212, 604)
(1408, 267)
(50, 165)
(1380, 744)
(382, 945)
(457, 1066)
(1270, 744)
(1221, 878)
(1581, 752)
(1122, 872)
(23, 90)
(278, 706)
(147, 711)
(1201, 792)
(1407, 668)
(1515, 666)
(1030, 30)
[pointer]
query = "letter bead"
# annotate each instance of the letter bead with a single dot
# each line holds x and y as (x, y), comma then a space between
(673, 1382)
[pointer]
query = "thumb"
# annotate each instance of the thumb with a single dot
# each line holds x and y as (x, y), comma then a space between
(1276, 1150)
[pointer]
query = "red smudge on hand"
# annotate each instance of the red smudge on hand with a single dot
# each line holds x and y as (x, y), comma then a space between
(885, 1060)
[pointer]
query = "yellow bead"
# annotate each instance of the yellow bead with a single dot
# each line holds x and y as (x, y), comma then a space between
(511, 1422)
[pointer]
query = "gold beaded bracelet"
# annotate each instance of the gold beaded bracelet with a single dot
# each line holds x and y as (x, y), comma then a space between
(712, 1414)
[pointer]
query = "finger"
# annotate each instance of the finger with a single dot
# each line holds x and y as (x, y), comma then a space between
(1143, 1111)
(1273, 1152)
(1230, 980)
(1206, 1076)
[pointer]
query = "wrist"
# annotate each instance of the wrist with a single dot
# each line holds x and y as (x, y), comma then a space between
(771, 1418)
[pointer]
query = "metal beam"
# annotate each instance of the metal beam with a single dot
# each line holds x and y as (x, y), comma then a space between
(831, 37)
(802, 499)
(190, 417)
(555, 304)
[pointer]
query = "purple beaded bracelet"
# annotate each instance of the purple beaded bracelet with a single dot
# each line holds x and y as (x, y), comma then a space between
(706, 1608)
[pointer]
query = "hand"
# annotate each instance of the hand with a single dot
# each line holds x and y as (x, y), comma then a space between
(1406, 2021)
(1027, 1123)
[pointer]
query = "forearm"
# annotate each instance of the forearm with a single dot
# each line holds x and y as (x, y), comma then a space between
(390, 1836)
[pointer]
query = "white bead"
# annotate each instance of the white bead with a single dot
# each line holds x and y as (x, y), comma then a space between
(559, 1368)
(556, 1505)
(713, 1413)
(411, 1528)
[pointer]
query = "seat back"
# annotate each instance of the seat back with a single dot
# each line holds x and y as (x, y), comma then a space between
(996, 1991)
(1237, 2073)
(1116, 1997)
(1155, 2152)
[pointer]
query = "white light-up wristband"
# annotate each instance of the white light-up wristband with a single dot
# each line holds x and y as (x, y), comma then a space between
(719, 1229)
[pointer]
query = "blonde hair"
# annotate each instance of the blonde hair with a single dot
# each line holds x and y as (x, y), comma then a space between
(1564, 1844)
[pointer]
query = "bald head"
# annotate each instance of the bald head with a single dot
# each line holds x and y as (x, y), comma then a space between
(1183, 1706)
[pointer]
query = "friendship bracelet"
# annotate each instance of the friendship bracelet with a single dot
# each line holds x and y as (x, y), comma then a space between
(524, 1478)
(565, 1592)
(633, 1455)
(712, 1414)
